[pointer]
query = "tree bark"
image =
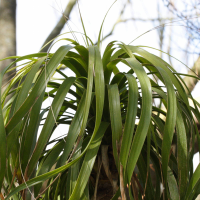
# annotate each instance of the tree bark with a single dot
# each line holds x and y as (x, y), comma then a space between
(59, 26)
(7, 35)
(191, 82)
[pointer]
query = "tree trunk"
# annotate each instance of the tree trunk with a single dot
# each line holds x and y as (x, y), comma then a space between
(7, 35)
(191, 82)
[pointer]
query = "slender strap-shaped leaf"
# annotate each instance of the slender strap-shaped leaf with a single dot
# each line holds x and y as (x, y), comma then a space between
(30, 133)
(78, 58)
(23, 93)
(130, 119)
(191, 128)
(73, 132)
(99, 81)
(116, 120)
(100, 92)
(20, 58)
(107, 54)
(176, 81)
(99, 36)
(170, 121)
(84, 110)
(99, 87)
(182, 155)
(48, 162)
(83, 52)
(170, 118)
(53, 173)
(159, 123)
(157, 61)
(173, 188)
(148, 149)
(88, 104)
(88, 163)
(89, 89)
(145, 117)
(85, 195)
(38, 88)
(142, 167)
(49, 123)
(74, 66)
(109, 69)
(75, 169)
(193, 181)
(67, 193)
(2, 141)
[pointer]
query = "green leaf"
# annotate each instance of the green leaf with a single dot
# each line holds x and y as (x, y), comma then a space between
(29, 137)
(23, 93)
(42, 178)
(116, 120)
(170, 121)
(173, 188)
(145, 117)
(182, 155)
(99, 37)
(99, 87)
(48, 162)
(89, 89)
(38, 88)
(130, 119)
(88, 163)
(49, 123)
(193, 181)
(2, 141)
(73, 132)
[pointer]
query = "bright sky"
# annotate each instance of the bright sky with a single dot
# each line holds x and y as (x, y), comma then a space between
(36, 19)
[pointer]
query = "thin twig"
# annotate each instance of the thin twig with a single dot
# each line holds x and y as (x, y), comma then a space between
(39, 195)
(146, 183)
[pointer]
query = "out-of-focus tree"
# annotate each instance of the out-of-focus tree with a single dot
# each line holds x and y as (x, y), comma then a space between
(188, 13)
(7, 34)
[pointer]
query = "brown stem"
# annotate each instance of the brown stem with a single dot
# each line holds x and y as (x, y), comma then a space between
(134, 189)
(1, 196)
(122, 189)
(146, 183)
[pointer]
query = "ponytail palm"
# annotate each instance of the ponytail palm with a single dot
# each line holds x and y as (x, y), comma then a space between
(119, 142)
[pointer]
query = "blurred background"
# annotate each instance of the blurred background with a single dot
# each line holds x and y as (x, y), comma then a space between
(171, 26)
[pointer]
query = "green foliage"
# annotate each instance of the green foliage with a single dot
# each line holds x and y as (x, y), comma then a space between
(118, 134)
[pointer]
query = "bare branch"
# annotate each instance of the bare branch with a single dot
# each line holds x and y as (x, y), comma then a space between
(119, 20)
(59, 26)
